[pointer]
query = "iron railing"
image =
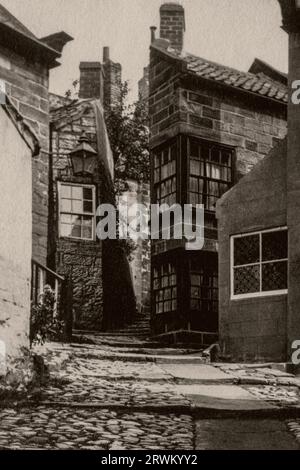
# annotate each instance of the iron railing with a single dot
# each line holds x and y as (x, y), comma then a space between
(40, 277)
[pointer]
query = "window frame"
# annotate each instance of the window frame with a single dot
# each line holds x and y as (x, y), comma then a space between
(162, 288)
(92, 215)
(205, 195)
(260, 263)
(159, 181)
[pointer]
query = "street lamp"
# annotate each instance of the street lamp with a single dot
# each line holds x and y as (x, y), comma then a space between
(83, 157)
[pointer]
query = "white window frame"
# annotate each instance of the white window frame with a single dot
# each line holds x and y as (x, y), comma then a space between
(260, 263)
(83, 185)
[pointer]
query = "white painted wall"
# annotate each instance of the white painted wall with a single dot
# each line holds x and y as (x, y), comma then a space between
(15, 237)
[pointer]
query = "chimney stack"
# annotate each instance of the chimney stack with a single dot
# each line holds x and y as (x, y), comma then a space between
(172, 24)
(91, 80)
(101, 81)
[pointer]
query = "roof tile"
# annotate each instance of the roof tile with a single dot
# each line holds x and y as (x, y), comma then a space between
(259, 84)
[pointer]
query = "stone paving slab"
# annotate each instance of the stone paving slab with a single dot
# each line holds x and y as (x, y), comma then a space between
(197, 373)
(223, 397)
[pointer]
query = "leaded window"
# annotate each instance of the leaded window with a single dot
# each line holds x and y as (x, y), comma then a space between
(210, 174)
(76, 211)
(259, 263)
(165, 288)
(165, 175)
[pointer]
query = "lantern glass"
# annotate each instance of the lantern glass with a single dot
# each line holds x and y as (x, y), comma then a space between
(77, 163)
(298, 4)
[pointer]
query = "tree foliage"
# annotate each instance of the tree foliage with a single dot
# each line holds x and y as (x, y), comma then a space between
(127, 126)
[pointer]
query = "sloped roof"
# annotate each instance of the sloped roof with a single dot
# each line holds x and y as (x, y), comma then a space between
(13, 32)
(259, 67)
(261, 85)
(10, 20)
(72, 111)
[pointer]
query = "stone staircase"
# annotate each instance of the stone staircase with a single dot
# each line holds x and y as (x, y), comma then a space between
(138, 328)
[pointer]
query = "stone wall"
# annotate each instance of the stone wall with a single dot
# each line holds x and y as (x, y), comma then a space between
(15, 234)
(253, 329)
(251, 126)
(79, 260)
(27, 85)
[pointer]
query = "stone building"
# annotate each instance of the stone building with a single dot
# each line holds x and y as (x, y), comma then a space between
(259, 249)
(18, 146)
(103, 295)
(25, 62)
(210, 124)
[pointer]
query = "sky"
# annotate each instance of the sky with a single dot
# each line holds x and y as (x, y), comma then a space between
(231, 32)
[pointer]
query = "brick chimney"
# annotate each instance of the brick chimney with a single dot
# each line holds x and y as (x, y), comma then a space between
(91, 80)
(112, 80)
(172, 24)
(101, 80)
(291, 24)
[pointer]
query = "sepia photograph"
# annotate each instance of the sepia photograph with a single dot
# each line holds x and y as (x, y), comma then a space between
(149, 230)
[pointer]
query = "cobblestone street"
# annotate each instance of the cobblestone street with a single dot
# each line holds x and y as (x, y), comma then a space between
(106, 397)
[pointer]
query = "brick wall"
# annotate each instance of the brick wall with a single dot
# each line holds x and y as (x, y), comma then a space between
(112, 82)
(172, 24)
(253, 329)
(91, 80)
(27, 85)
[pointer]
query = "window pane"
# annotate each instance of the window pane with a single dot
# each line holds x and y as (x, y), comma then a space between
(274, 245)
(65, 191)
(76, 231)
(77, 206)
(66, 218)
(246, 250)
(76, 192)
(226, 158)
(194, 149)
(65, 230)
(274, 276)
(87, 232)
(215, 155)
(246, 280)
(88, 194)
(88, 206)
(66, 205)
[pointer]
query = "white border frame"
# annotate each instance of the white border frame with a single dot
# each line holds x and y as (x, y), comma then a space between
(254, 294)
(81, 185)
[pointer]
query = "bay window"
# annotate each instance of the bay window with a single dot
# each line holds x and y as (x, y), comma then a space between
(259, 263)
(76, 211)
(210, 174)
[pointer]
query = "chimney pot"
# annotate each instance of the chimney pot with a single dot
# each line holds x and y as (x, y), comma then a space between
(153, 30)
(105, 54)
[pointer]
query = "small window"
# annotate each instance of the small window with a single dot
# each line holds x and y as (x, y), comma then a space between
(259, 264)
(76, 211)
